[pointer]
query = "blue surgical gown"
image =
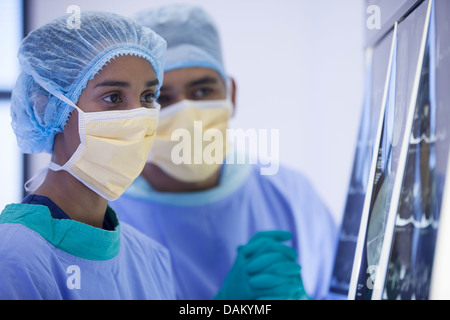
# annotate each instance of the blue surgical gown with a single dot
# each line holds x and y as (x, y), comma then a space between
(46, 258)
(202, 230)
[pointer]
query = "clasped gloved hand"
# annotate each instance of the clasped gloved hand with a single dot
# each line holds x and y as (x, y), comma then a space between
(265, 269)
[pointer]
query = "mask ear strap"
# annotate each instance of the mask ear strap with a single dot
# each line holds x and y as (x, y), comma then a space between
(44, 84)
(35, 181)
(229, 86)
(56, 167)
(32, 184)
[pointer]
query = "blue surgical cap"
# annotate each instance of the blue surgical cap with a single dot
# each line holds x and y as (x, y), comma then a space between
(57, 62)
(192, 37)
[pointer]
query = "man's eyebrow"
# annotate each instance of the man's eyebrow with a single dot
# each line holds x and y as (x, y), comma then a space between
(123, 84)
(204, 80)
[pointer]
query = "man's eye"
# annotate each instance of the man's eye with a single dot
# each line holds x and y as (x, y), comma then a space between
(114, 98)
(164, 100)
(202, 93)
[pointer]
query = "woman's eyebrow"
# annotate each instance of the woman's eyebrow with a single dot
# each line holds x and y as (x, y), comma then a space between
(109, 83)
(152, 83)
(124, 84)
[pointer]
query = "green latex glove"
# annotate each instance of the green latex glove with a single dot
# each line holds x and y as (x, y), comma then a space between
(265, 268)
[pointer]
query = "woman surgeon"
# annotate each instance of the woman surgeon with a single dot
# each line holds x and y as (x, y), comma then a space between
(87, 96)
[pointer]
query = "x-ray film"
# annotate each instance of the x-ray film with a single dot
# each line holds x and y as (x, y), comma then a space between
(387, 166)
(375, 83)
(360, 259)
(413, 244)
(348, 236)
(440, 284)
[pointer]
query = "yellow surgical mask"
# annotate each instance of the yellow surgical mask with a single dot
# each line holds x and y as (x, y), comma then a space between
(191, 142)
(114, 149)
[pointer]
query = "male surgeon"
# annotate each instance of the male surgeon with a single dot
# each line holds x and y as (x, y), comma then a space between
(232, 232)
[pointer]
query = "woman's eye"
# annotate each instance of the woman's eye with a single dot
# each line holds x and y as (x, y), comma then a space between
(114, 98)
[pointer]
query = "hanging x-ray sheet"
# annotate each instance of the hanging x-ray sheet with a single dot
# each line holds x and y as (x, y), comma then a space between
(440, 281)
(440, 288)
(411, 254)
(375, 83)
(390, 143)
(360, 263)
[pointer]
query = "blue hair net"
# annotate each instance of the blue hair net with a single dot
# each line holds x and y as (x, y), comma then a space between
(57, 62)
(192, 37)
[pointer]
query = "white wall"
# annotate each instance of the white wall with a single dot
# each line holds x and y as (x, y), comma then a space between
(299, 68)
(10, 160)
(10, 157)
